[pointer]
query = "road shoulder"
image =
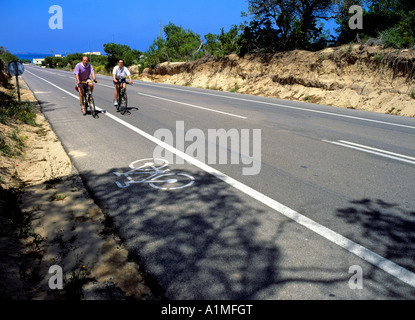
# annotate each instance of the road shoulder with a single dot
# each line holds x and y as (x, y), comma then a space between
(59, 225)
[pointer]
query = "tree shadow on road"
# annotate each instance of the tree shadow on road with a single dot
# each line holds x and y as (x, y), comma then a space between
(386, 228)
(208, 241)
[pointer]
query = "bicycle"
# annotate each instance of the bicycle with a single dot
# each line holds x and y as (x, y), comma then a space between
(89, 100)
(157, 174)
(122, 100)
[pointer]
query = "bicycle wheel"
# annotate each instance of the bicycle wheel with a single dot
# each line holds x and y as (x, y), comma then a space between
(174, 181)
(123, 106)
(149, 164)
(91, 104)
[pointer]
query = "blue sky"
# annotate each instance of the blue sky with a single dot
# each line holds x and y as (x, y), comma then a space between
(24, 26)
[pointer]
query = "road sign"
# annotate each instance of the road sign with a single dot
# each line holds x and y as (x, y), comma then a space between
(15, 68)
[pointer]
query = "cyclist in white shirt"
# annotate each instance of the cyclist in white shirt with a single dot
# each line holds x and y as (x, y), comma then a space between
(119, 73)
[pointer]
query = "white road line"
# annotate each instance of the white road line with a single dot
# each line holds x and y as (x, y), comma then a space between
(193, 106)
(67, 92)
(187, 104)
(105, 85)
(283, 106)
(380, 152)
(351, 246)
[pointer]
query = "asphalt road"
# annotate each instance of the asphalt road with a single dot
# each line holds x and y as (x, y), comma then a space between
(305, 200)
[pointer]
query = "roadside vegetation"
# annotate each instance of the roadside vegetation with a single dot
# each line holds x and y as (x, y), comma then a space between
(11, 111)
(19, 241)
(6, 57)
(12, 114)
(23, 249)
(271, 26)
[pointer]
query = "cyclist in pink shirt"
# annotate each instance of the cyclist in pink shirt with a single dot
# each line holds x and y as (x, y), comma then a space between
(83, 71)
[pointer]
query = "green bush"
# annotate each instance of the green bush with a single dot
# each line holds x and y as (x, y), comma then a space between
(99, 68)
(224, 43)
(116, 52)
(178, 44)
(392, 38)
(11, 110)
(6, 56)
(379, 57)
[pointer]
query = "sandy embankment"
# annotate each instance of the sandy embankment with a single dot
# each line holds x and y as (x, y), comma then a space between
(72, 230)
(355, 77)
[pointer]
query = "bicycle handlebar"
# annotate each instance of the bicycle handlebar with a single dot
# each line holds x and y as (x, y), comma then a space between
(126, 81)
(87, 82)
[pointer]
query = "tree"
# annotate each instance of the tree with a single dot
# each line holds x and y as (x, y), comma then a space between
(345, 33)
(116, 52)
(295, 23)
(224, 43)
(277, 14)
(52, 61)
(181, 44)
(155, 54)
(395, 21)
(178, 44)
(392, 21)
(260, 36)
(307, 32)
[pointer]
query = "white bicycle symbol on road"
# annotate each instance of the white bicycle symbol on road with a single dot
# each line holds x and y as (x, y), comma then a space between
(158, 175)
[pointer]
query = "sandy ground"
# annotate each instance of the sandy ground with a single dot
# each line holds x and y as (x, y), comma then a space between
(67, 228)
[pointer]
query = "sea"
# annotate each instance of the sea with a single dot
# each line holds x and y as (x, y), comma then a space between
(31, 56)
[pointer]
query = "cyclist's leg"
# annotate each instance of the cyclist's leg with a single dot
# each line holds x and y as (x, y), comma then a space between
(81, 97)
(116, 91)
(81, 93)
(91, 85)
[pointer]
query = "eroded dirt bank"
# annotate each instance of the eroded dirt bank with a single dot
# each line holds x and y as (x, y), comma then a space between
(351, 76)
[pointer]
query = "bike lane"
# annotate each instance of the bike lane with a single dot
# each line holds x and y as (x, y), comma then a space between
(207, 240)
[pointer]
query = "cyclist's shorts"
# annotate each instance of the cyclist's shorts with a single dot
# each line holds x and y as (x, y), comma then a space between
(82, 84)
(121, 80)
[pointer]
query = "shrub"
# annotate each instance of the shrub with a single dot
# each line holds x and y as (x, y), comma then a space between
(379, 57)
(10, 109)
(392, 38)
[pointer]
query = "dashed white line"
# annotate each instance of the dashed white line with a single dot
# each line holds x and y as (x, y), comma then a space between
(375, 151)
(380, 150)
(193, 106)
(282, 106)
